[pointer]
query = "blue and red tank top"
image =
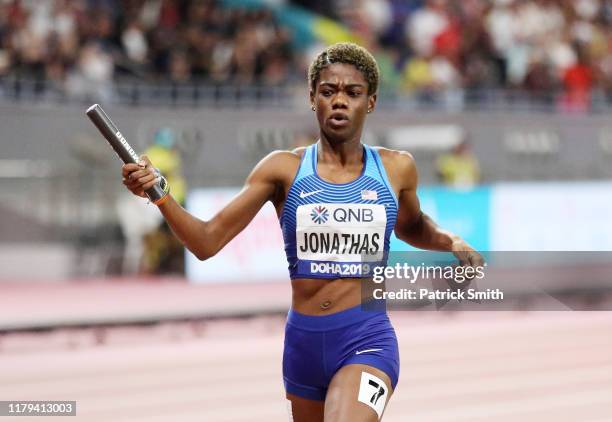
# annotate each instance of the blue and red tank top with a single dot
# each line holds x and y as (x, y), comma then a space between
(336, 230)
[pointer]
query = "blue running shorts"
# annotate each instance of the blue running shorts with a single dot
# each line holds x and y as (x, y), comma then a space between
(316, 347)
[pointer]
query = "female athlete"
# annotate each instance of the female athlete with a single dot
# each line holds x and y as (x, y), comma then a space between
(336, 200)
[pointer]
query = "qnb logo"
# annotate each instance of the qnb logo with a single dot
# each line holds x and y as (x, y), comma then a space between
(319, 214)
(349, 215)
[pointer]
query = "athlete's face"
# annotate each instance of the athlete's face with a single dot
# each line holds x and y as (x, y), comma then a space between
(341, 101)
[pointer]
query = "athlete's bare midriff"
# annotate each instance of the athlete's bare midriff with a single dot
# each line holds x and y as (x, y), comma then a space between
(323, 296)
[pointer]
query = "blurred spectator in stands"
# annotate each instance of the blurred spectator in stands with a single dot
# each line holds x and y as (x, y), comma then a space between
(277, 58)
(244, 57)
(168, 13)
(425, 25)
(578, 81)
(179, 66)
(605, 66)
(368, 19)
(417, 74)
(560, 55)
(134, 43)
(538, 81)
(501, 25)
(430, 74)
(459, 168)
(449, 42)
(275, 69)
(5, 62)
(92, 78)
(376, 16)
(390, 79)
(479, 65)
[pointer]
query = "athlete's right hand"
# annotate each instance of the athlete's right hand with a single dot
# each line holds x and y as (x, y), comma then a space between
(139, 177)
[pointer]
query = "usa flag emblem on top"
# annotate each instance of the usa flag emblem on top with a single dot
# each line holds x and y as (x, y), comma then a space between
(369, 195)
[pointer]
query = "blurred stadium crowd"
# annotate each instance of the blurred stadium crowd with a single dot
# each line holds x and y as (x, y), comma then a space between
(80, 43)
(535, 45)
(423, 46)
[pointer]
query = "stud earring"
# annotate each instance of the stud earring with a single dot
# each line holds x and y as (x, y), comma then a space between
(313, 108)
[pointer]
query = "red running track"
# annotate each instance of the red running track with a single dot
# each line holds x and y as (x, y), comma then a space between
(464, 367)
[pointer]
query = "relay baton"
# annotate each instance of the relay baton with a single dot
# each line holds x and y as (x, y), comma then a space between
(121, 146)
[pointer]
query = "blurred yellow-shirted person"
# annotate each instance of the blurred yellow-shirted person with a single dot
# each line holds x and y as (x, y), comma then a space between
(168, 160)
(163, 253)
(459, 168)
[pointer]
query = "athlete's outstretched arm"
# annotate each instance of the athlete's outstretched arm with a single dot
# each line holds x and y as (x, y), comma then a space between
(415, 227)
(205, 238)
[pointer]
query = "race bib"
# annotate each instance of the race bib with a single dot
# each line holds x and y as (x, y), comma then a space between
(340, 232)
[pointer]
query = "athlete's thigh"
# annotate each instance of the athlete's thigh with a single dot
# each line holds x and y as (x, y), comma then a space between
(355, 394)
(305, 410)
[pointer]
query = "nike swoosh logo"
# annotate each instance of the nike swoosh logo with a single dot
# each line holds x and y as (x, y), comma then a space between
(307, 194)
(358, 352)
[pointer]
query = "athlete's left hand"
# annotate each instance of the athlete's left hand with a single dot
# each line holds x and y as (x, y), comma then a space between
(467, 256)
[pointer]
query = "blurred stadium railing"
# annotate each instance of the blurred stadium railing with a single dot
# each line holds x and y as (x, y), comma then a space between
(143, 93)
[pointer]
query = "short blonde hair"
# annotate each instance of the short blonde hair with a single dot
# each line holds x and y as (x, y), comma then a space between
(346, 53)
